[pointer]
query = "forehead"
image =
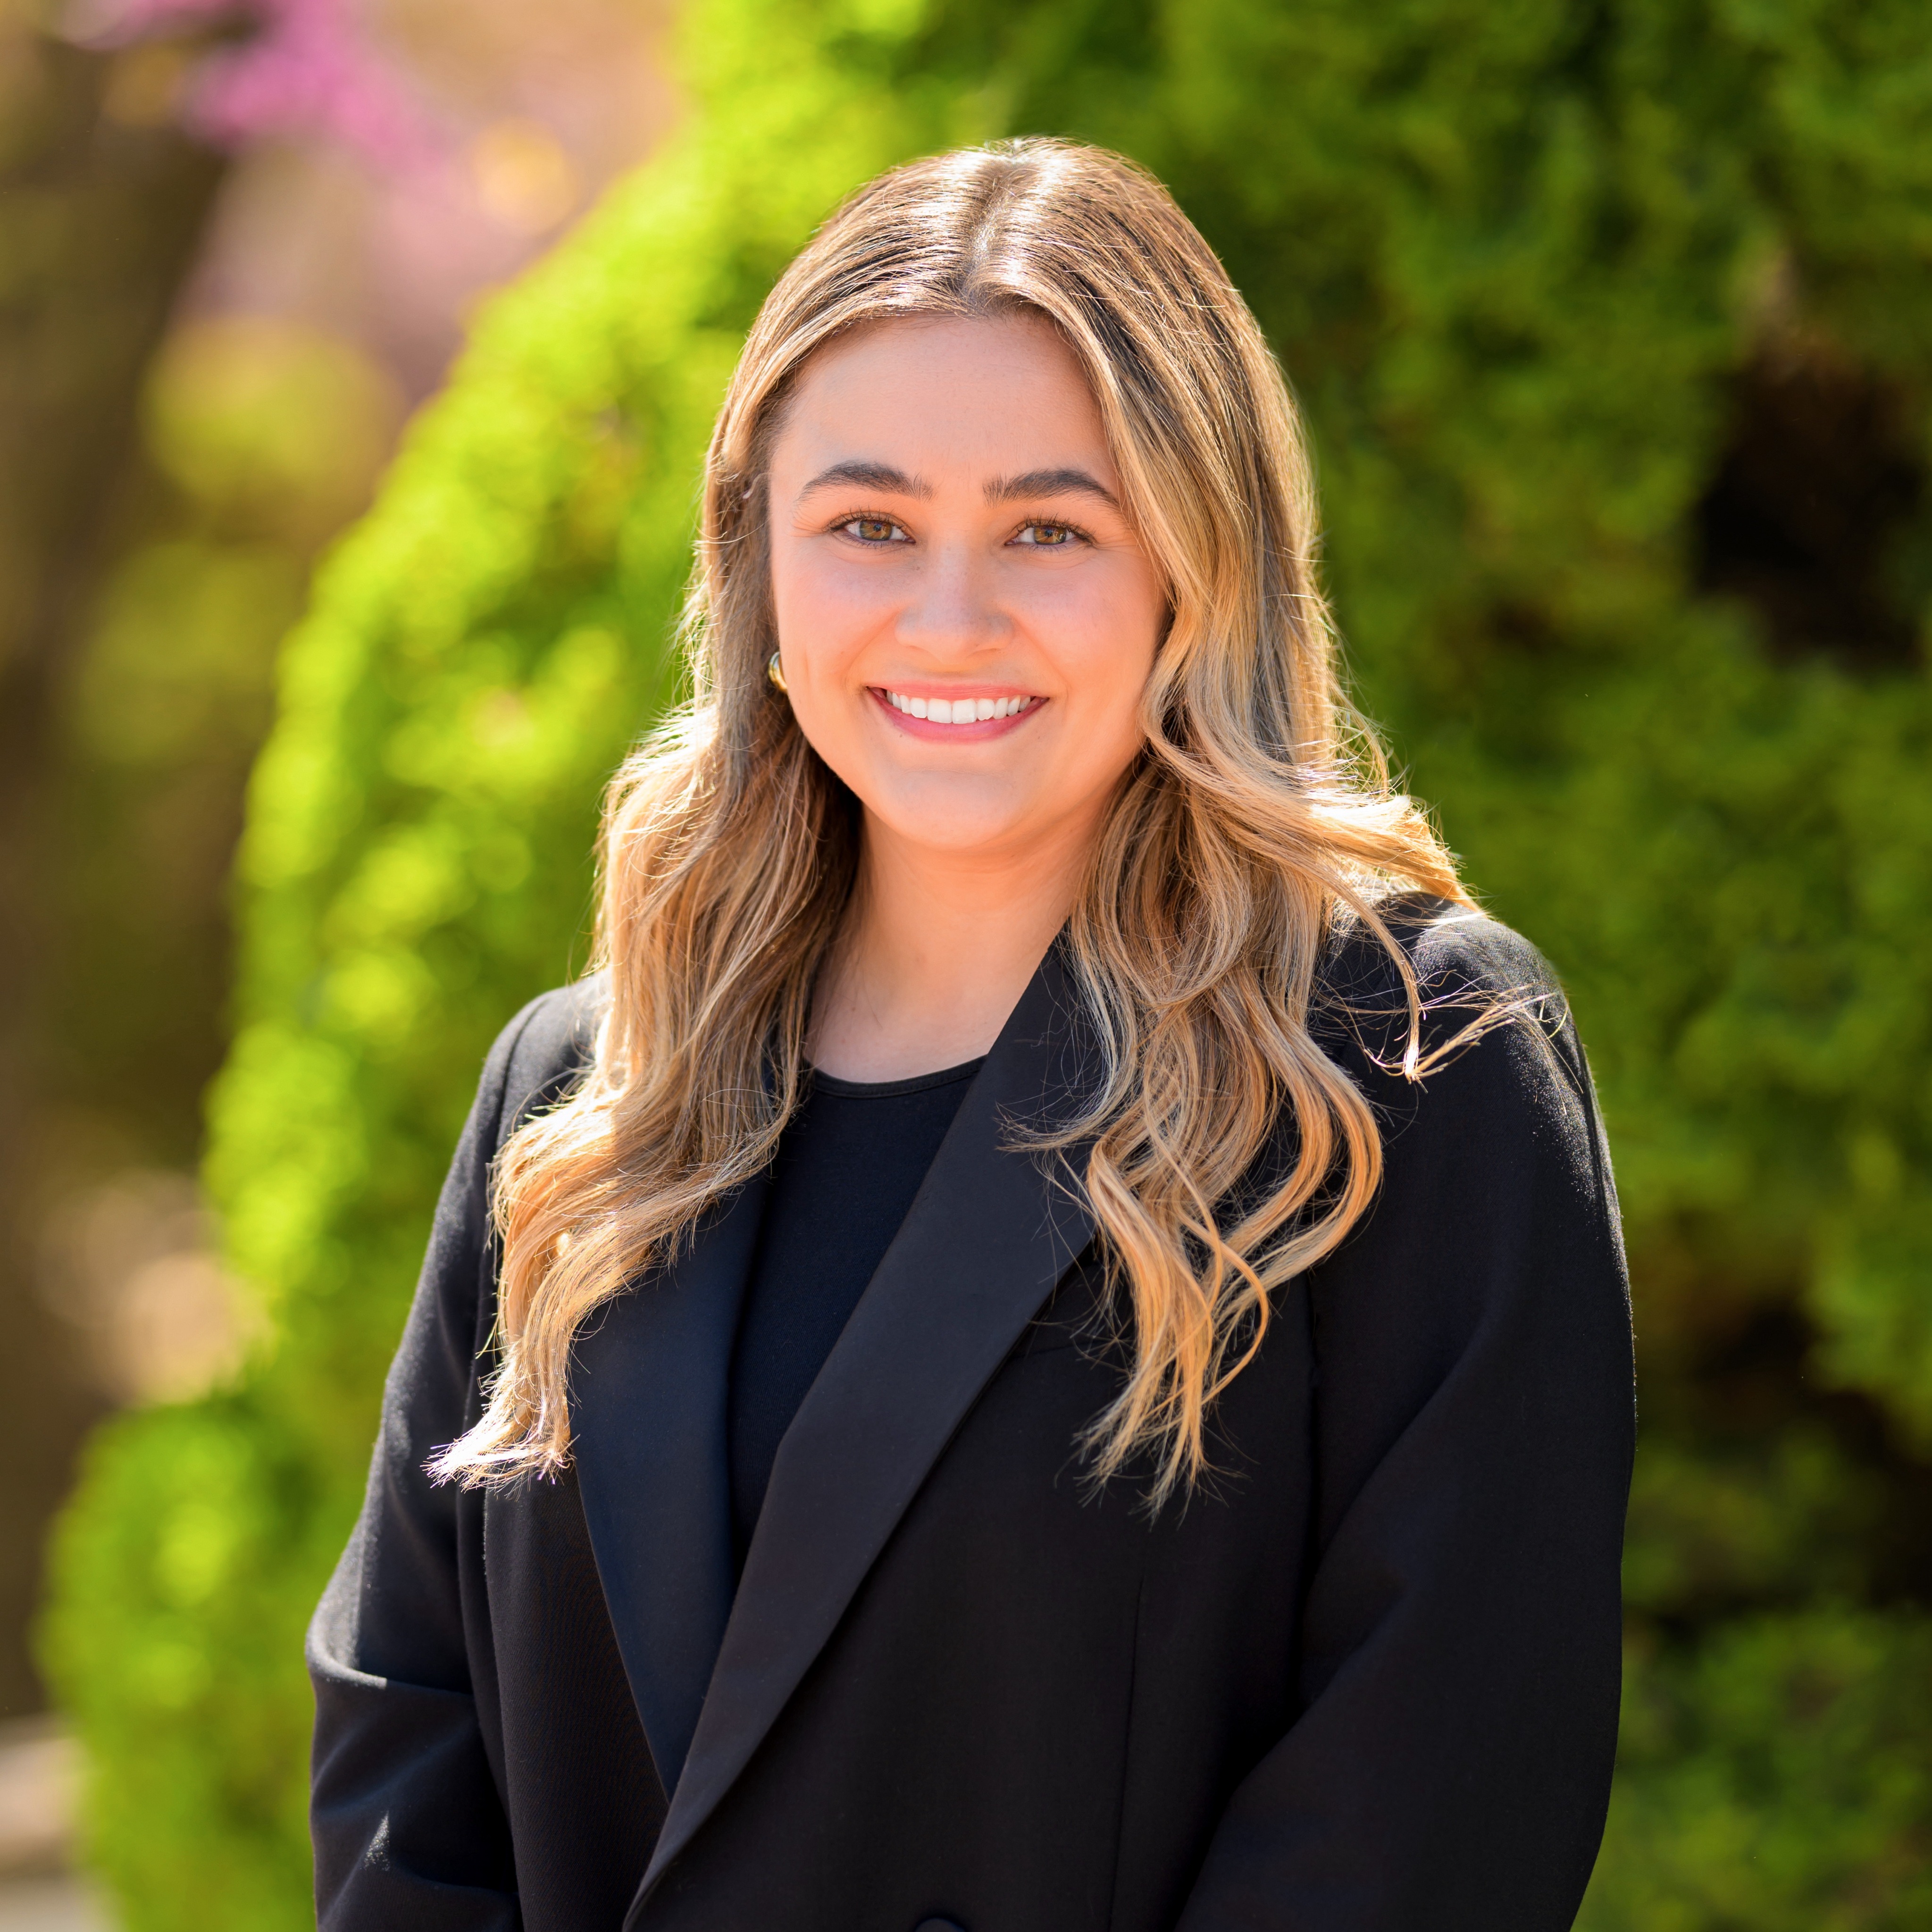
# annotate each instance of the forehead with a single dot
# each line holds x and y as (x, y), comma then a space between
(929, 395)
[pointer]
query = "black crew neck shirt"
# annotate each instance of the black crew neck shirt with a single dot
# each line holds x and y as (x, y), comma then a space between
(847, 1167)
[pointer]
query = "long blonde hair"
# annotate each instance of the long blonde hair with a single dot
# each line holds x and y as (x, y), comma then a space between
(1257, 815)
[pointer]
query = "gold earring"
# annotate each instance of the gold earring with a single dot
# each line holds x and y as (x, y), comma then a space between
(776, 672)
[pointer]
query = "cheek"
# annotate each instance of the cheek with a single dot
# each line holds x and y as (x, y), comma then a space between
(824, 613)
(1104, 633)
(822, 626)
(797, 598)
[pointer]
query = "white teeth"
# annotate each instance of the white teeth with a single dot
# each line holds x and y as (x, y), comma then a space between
(957, 710)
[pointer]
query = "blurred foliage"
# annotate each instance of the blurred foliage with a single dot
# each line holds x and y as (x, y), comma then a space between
(1774, 1776)
(1611, 322)
(100, 219)
(260, 438)
(271, 427)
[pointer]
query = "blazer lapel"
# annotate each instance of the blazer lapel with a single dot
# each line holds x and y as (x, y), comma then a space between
(988, 1235)
(649, 1381)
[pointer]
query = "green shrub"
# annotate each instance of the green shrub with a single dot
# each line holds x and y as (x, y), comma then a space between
(1775, 1778)
(1582, 301)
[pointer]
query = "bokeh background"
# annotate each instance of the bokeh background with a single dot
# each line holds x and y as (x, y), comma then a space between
(1613, 322)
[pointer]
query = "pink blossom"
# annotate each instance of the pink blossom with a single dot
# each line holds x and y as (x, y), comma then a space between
(305, 69)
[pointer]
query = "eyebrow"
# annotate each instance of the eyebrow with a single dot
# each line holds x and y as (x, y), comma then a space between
(869, 476)
(1002, 490)
(1049, 483)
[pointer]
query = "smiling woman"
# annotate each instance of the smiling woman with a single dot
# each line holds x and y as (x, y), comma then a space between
(964, 1378)
(967, 621)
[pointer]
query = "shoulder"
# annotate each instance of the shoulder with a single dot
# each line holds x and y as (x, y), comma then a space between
(1456, 953)
(543, 1050)
(1491, 1048)
(1479, 1306)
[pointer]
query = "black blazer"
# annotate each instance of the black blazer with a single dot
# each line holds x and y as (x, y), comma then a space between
(1364, 1680)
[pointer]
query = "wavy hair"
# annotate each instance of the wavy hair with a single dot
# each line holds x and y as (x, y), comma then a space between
(1258, 816)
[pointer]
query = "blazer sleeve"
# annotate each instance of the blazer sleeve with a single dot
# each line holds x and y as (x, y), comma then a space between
(407, 1813)
(1458, 1660)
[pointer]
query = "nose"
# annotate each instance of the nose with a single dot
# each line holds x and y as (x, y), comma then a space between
(951, 609)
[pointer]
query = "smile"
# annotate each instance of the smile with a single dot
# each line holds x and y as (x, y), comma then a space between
(957, 710)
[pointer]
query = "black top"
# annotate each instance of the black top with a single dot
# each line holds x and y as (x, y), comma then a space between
(1363, 1679)
(847, 1167)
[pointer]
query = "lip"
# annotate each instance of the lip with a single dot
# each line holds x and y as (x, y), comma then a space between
(975, 733)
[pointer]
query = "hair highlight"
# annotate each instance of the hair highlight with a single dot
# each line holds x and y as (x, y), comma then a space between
(1258, 816)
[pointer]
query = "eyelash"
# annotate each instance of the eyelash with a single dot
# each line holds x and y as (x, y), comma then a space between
(845, 525)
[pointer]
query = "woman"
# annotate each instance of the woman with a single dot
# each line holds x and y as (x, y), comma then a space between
(1052, 1352)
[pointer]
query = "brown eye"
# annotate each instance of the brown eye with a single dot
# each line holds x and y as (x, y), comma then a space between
(872, 529)
(1046, 536)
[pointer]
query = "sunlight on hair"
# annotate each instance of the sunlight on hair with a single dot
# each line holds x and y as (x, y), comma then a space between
(1257, 824)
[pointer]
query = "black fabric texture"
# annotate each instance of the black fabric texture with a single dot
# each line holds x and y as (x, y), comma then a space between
(850, 1162)
(1365, 1680)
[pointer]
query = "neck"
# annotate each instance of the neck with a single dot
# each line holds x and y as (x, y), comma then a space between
(937, 949)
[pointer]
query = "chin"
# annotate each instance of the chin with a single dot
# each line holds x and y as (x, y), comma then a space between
(948, 825)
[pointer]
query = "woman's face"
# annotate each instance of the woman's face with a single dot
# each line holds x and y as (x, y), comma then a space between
(965, 618)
